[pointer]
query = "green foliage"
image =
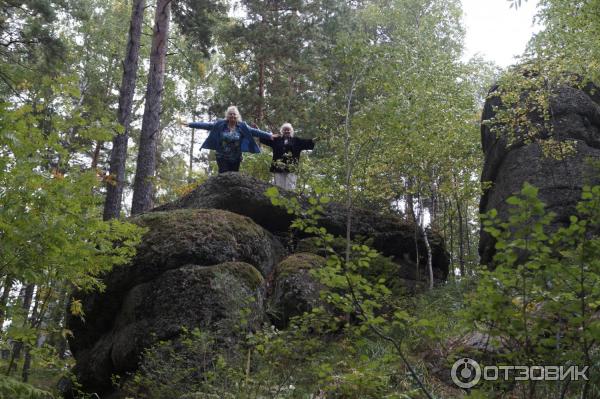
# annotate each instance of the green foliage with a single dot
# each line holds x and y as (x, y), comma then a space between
(268, 65)
(543, 294)
(171, 369)
(345, 274)
(51, 231)
(13, 389)
(301, 361)
(197, 19)
(198, 365)
(387, 71)
(361, 301)
(50, 227)
(524, 115)
(257, 165)
(569, 40)
(29, 41)
(565, 52)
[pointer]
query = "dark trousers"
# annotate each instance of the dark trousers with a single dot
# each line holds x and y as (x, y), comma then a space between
(228, 166)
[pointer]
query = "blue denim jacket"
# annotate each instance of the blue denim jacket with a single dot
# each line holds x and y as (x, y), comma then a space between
(213, 141)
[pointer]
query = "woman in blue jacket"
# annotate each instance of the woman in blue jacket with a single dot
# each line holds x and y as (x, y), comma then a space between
(230, 137)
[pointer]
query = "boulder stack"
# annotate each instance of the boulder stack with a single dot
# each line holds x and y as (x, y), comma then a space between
(219, 248)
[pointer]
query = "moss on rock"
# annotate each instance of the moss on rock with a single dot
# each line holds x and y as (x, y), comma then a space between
(245, 195)
(187, 236)
(203, 237)
(243, 271)
(295, 290)
(298, 261)
(200, 237)
(226, 298)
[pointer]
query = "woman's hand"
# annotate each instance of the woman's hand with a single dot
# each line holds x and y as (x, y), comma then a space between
(182, 122)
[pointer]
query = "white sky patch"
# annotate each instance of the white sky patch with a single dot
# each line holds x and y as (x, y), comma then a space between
(497, 32)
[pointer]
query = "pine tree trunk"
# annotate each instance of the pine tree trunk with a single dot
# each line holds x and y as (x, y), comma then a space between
(27, 294)
(36, 320)
(26, 364)
(143, 187)
(27, 350)
(96, 155)
(118, 156)
(8, 283)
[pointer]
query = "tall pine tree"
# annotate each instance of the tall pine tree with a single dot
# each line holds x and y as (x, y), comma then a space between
(116, 180)
(143, 189)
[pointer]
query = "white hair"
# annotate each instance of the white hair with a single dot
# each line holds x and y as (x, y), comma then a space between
(287, 125)
(237, 112)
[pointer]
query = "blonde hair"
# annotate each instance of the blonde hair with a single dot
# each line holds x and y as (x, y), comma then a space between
(287, 125)
(234, 108)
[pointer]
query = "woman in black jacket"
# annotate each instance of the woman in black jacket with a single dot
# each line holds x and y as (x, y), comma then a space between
(286, 154)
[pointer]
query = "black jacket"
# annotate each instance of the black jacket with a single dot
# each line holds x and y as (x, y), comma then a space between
(286, 155)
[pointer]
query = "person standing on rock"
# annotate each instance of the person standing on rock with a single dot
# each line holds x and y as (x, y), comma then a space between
(286, 155)
(230, 137)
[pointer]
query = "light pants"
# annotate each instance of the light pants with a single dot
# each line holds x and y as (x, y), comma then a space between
(286, 180)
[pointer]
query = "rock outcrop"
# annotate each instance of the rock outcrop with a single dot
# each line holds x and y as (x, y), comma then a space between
(165, 287)
(244, 195)
(206, 255)
(515, 157)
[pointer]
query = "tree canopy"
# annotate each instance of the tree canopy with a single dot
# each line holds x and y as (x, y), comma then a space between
(381, 86)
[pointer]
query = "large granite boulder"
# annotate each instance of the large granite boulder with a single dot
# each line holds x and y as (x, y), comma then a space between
(245, 195)
(191, 296)
(166, 286)
(294, 289)
(238, 193)
(516, 156)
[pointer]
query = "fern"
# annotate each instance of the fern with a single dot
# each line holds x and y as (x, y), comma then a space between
(13, 389)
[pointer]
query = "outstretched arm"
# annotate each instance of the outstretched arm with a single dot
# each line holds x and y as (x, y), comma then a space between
(263, 140)
(201, 125)
(306, 144)
(268, 142)
(260, 134)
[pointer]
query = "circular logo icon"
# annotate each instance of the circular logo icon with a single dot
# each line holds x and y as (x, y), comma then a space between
(466, 373)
